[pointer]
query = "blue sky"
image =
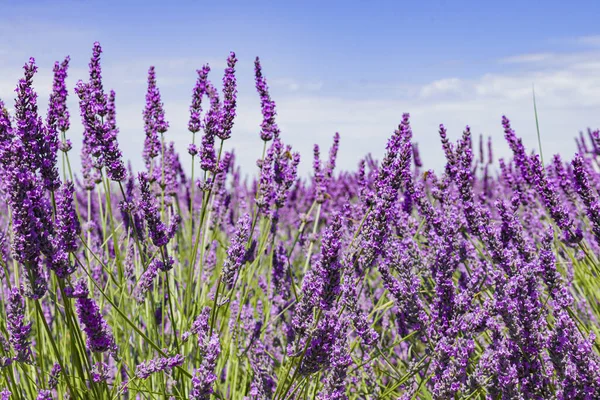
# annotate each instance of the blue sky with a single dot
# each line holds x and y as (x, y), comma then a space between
(351, 66)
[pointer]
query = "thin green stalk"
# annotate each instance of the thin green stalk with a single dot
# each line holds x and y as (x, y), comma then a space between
(312, 242)
(38, 308)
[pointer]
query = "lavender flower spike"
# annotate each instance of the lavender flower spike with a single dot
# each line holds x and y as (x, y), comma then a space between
(159, 233)
(18, 329)
(229, 98)
(57, 119)
(99, 337)
(6, 133)
(268, 127)
(113, 158)
(154, 119)
(44, 395)
(548, 192)
(146, 281)
(32, 224)
(236, 254)
(200, 89)
(145, 369)
(587, 194)
(212, 126)
(68, 228)
(29, 127)
(204, 377)
(54, 375)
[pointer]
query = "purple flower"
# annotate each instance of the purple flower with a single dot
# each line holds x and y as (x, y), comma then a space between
(268, 127)
(204, 377)
(236, 253)
(158, 232)
(322, 342)
(265, 189)
(68, 228)
(32, 225)
(318, 175)
(576, 366)
(333, 151)
(200, 325)
(98, 117)
(563, 179)
(192, 150)
(154, 120)
(6, 134)
(277, 175)
(321, 286)
(212, 126)
(58, 115)
(229, 98)
(145, 369)
(44, 395)
(96, 87)
(521, 159)
(549, 195)
(398, 272)
(100, 372)
(54, 375)
(448, 149)
(338, 363)
(168, 175)
(89, 171)
(146, 281)
(416, 155)
(29, 128)
(99, 337)
(59, 262)
(79, 291)
(395, 168)
(113, 158)
(93, 106)
(16, 326)
(57, 119)
(199, 91)
(587, 194)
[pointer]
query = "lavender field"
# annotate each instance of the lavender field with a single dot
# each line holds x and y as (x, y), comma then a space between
(194, 279)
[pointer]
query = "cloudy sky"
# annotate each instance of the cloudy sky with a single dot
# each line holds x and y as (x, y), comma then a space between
(347, 66)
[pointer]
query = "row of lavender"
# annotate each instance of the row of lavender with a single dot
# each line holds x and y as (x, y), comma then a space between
(387, 282)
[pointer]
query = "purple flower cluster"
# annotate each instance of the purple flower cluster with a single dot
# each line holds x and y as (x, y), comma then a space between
(99, 337)
(157, 230)
(200, 90)
(268, 126)
(237, 252)
(57, 120)
(154, 120)
(68, 227)
(145, 369)
(98, 115)
(229, 98)
(18, 329)
(204, 377)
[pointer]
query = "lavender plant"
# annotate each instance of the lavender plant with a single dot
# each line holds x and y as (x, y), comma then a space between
(479, 281)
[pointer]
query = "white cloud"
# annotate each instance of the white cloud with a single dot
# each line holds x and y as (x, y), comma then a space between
(441, 87)
(527, 58)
